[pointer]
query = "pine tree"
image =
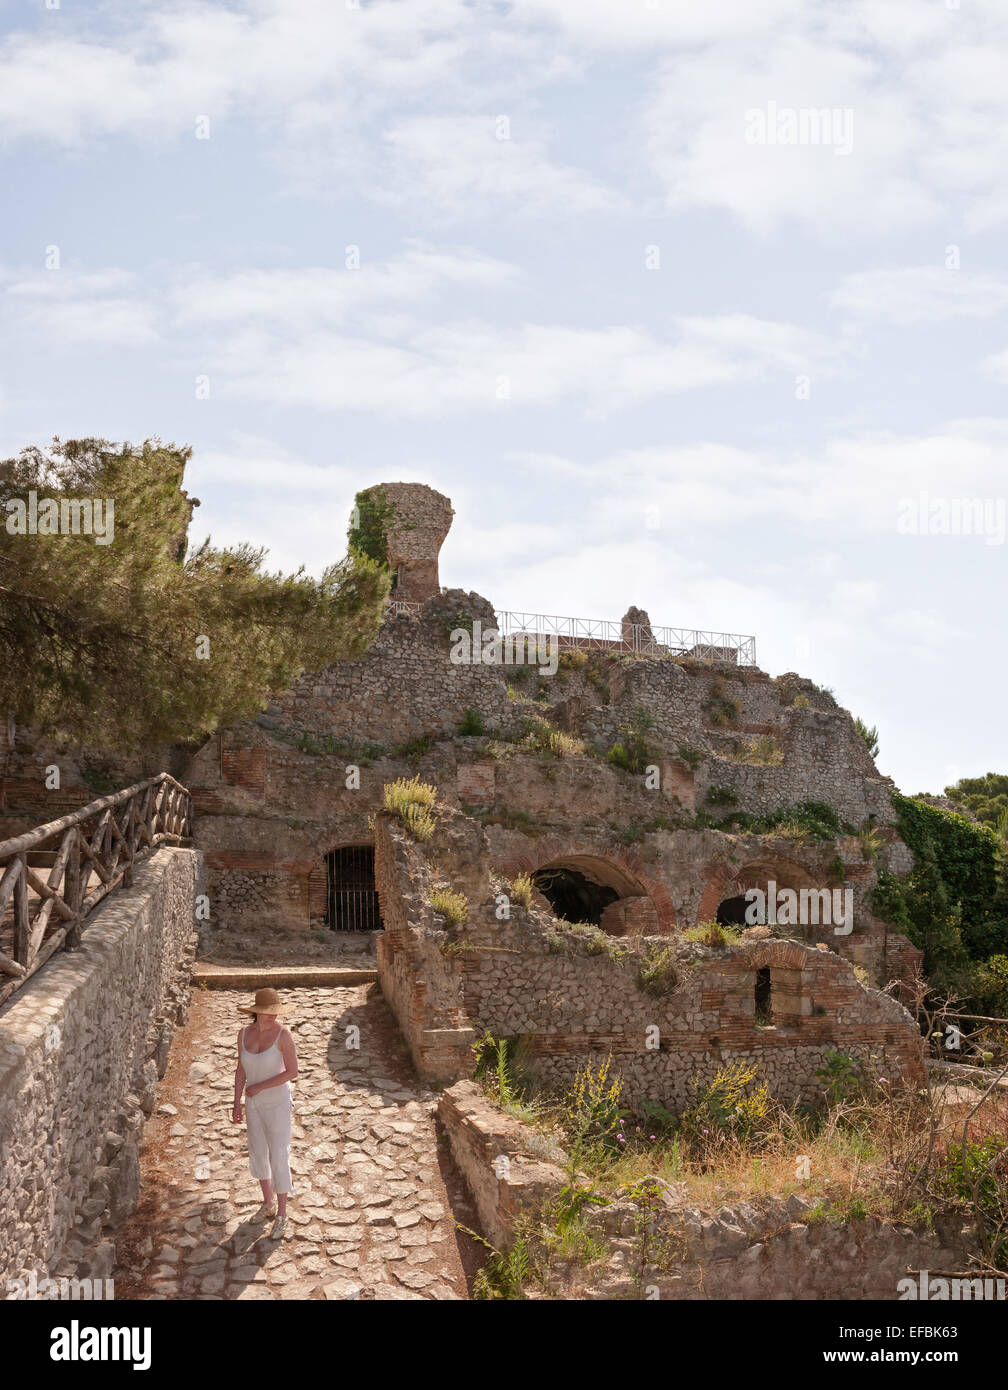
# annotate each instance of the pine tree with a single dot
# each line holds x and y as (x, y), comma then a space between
(126, 639)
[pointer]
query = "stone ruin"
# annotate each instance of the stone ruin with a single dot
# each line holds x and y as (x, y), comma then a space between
(289, 818)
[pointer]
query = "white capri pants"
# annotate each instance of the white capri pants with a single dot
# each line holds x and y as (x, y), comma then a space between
(269, 1136)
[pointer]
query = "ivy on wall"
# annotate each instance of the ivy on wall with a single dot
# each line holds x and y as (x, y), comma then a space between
(368, 525)
(953, 905)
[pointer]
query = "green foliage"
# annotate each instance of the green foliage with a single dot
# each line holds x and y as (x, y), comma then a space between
(812, 820)
(841, 1076)
(413, 802)
(763, 751)
(572, 659)
(721, 796)
(138, 642)
(453, 906)
(974, 1169)
(506, 1273)
(990, 986)
(714, 934)
(689, 755)
(733, 1103)
(870, 736)
(721, 708)
(658, 972)
(953, 905)
(366, 536)
(985, 798)
(472, 723)
(633, 753)
(521, 890)
(540, 737)
(591, 1113)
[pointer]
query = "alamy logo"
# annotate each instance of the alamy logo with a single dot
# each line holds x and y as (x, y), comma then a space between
(64, 516)
(493, 648)
(925, 515)
(806, 907)
(801, 125)
(954, 1288)
(29, 1288)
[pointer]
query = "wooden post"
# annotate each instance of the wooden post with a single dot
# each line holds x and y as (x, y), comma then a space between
(73, 893)
(21, 933)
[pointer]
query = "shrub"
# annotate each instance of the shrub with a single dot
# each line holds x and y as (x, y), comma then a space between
(454, 906)
(472, 723)
(521, 890)
(841, 1076)
(713, 934)
(763, 751)
(572, 659)
(591, 1109)
(658, 972)
(412, 801)
(721, 796)
(634, 752)
(870, 736)
(733, 1103)
(541, 737)
(690, 756)
(721, 708)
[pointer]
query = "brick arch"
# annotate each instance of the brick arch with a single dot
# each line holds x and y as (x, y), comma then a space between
(619, 870)
(724, 878)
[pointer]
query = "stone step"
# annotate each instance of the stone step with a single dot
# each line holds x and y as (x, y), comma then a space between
(287, 976)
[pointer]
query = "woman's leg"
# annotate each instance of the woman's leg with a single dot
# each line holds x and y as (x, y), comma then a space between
(259, 1156)
(278, 1129)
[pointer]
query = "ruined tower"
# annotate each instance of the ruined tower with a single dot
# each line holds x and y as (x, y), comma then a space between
(414, 534)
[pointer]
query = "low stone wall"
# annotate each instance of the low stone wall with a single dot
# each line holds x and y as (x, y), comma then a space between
(761, 1250)
(506, 1165)
(82, 1046)
(656, 1246)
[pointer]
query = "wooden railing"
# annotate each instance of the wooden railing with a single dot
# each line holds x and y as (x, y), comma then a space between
(87, 854)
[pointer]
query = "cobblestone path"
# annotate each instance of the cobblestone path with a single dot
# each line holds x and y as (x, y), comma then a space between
(374, 1185)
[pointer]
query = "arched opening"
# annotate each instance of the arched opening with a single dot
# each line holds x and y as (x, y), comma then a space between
(351, 895)
(763, 993)
(573, 896)
(732, 912)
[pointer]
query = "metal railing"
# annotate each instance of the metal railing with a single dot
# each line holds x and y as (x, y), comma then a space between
(608, 635)
(87, 854)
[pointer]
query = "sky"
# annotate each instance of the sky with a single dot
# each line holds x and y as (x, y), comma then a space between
(697, 307)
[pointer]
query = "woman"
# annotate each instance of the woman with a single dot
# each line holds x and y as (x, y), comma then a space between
(267, 1062)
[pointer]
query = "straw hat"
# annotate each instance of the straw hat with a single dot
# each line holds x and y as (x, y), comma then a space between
(267, 1001)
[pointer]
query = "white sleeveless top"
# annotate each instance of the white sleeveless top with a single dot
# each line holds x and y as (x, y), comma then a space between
(260, 1066)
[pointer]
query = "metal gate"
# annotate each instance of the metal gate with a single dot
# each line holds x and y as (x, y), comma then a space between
(351, 897)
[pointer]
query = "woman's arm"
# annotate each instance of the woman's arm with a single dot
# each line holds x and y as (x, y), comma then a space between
(239, 1085)
(290, 1071)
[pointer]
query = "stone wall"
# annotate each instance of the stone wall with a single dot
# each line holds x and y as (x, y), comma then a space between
(663, 1248)
(82, 1046)
(507, 1166)
(572, 998)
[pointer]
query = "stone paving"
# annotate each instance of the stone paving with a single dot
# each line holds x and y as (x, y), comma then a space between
(374, 1186)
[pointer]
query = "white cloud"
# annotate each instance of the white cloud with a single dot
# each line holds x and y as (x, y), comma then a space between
(466, 365)
(68, 308)
(921, 294)
(460, 164)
